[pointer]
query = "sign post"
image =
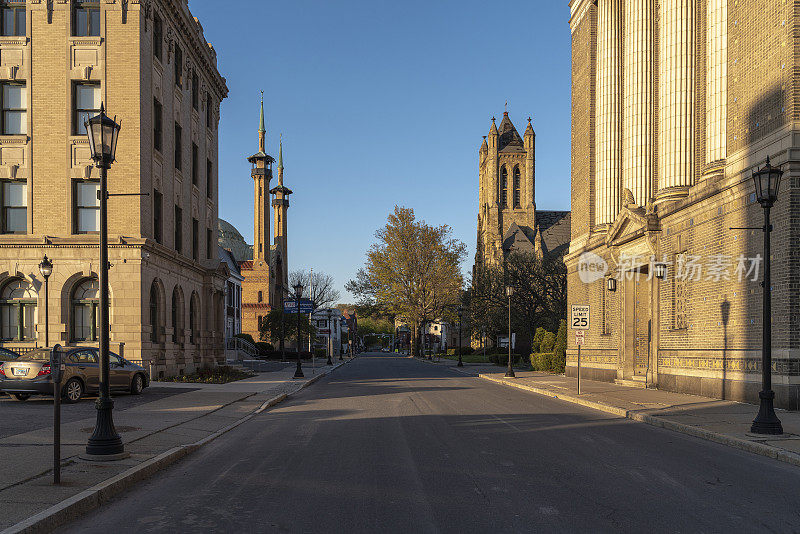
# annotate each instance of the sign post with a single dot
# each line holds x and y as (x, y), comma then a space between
(580, 323)
(56, 373)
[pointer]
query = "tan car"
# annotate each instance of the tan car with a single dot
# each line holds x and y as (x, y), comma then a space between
(29, 374)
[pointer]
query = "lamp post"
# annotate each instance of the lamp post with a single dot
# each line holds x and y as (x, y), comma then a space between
(298, 292)
(460, 315)
(510, 371)
(767, 181)
(103, 133)
(46, 268)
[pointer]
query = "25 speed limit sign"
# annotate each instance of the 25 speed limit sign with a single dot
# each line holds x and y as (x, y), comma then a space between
(580, 317)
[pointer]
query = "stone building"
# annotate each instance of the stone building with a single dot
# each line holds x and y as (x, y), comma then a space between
(266, 275)
(151, 67)
(674, 105)
(507, 215)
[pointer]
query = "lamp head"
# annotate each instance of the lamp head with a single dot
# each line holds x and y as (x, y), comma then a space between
(767, 181)
(46, 267)
(103, 133)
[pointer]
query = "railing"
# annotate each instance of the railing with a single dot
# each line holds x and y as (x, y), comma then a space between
(241, 346)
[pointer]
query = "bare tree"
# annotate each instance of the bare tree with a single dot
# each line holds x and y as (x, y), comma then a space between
(323, 294)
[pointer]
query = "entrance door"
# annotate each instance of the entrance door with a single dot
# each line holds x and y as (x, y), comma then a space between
(641, 327)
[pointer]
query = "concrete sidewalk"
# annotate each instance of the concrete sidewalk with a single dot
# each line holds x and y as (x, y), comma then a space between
(175, 424)
(725, 422)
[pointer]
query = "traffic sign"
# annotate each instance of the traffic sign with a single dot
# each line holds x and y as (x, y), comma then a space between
(580, 337)
(580, 317)
(290, 306)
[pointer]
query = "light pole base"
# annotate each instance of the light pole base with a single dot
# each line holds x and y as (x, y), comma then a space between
(460, 363)
(766, 422)
(104, 441)
(298, 373)
(510, 374)
(104, 457)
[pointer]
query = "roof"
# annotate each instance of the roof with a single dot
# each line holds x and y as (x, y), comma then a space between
(509, 138)
(556, 229)
(230, 239)
(515, 239)
(226, 256)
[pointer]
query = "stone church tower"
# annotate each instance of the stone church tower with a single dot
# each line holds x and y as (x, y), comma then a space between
(506, 194)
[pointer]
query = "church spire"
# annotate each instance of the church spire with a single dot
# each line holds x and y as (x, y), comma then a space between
(262, 131)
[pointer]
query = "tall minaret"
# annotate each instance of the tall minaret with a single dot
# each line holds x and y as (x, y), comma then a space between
(280, 206)
(262, 174)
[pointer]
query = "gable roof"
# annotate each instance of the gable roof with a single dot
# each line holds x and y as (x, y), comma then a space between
(556, 229)
(517, 240)
(509, 139)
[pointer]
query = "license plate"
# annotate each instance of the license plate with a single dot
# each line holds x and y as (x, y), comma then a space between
(19, 371)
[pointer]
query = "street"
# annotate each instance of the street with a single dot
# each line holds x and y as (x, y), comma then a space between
(397, 445)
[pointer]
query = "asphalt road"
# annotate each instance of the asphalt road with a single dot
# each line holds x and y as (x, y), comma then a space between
(396, 445)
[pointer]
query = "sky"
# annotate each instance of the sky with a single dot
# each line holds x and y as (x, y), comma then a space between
(383, 103)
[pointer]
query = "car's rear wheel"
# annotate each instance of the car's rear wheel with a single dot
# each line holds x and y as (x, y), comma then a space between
(73, 391)
(137, 385)
(22, 396)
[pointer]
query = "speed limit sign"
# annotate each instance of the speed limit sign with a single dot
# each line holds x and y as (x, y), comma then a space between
(580, 317)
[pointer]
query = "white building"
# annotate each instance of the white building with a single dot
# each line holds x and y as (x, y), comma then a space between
(328, 323)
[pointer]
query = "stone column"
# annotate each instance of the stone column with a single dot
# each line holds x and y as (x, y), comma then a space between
(676, 98)
(608, 152)
(637, 142)
(716, 80)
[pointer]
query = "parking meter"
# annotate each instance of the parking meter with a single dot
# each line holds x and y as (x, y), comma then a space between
(56, 373)
(56, 365)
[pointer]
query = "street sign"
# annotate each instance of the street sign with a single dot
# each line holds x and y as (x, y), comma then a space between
(580, 317)
(290, 306)
(580, 337)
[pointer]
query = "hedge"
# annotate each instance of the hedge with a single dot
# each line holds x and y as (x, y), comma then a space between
(464, 350)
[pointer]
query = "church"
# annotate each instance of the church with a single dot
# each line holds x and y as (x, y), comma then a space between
(266, 276)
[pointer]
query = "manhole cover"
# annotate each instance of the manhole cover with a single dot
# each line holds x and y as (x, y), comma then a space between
(122, 429)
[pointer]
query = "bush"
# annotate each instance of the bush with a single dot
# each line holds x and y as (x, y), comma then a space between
(502, 358)
(538, 337)
(213, 375)
(246, 337)
(560, 349)
(541, 361)
(464, 351)
(264, 347)
(548, 342)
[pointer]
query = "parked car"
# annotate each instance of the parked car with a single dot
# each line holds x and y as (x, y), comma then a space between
(29, 374)
(7, 355)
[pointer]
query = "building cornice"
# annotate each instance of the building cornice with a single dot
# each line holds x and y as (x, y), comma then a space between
(577, 10)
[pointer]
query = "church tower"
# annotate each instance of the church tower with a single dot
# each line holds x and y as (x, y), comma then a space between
(280, 205)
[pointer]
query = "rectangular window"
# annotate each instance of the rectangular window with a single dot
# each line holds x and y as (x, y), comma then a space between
(178, 229)
(15, 109)
(208, 110)
(209, 177)
(87, 105)
(679, 293)
(86, 18)
(158, 216)
(13, 18)
(158, 128)
(195, 239)
(178, 63)
(158, 37)
(15, 207)
(195, 91)
(195, 170)
(87, 207)
(209, 243)
(178, 149)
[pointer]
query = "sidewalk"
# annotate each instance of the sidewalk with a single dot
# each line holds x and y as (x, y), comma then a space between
(721, 421)
(155, 433)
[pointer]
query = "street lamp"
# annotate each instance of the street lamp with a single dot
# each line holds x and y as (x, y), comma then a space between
(46, 268)
(611, 284)
(103, 133)
(767, 181)
(298, 292)
(460, 315)
(509, 293)
(660, 270)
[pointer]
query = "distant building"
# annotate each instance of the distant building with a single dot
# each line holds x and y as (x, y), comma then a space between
(230, 239)
(233, 294)
(328, 323)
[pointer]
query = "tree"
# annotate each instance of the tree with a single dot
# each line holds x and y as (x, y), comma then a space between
(271, 327)
(323, 292)
(412, 271)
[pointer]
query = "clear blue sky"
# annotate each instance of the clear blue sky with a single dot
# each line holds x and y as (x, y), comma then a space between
(381, 103)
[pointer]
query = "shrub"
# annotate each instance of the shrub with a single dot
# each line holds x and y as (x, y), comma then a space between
(540, 361)
(464, 351)
(320, 353)
(502, 358)
(264, 347)
(548, 342)
(560, 349)
(246, 337)
(538, 337)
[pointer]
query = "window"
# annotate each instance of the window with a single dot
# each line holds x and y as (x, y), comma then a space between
(15, 207)
(195, 239)
(18, 311)
(177, 316)
(178, 149)
(503, 187)
(178, 63)
(158, 216)
(178, 229)
(680, 293)
(158, 37)
(84, 310)
(194, 321)
(260, 296)
(209, 117)
(209, 243)
(87, 105)
(158, 127)
(195, 170)
(13, 15)
(195, 90)
(517, 198)
(86, 19)
(154, 313)
(15, 109)
(87, 207)
(209, 176)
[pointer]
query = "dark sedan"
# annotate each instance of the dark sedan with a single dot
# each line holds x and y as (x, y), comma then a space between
(30, 374)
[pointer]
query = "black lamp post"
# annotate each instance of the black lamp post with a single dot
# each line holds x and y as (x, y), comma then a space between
(46, 268)
(460, 315)
(510, 371)
(330, 344)
(103, 133)
(767, 181)
(298, 292)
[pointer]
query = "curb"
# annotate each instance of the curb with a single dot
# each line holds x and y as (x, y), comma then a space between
(94, 497)
(738, 443)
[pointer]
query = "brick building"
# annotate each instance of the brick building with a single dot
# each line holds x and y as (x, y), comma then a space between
(151, 67)
(675, 104)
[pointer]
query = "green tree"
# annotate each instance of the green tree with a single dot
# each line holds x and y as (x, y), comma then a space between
(278, 321)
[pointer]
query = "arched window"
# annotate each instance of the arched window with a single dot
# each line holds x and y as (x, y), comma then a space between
(503, 186)
(154, 323)
(260, 296)
(18, 311)
(517, 198)
(194, 318)
(85, 299)
(177, 316)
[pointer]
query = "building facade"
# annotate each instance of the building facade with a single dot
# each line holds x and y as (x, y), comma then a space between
(149, 64)
(675, 104)
(328, 323)
(233, 294)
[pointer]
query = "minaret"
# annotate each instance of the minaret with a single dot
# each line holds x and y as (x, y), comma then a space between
(280, 206)
(262, 174)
